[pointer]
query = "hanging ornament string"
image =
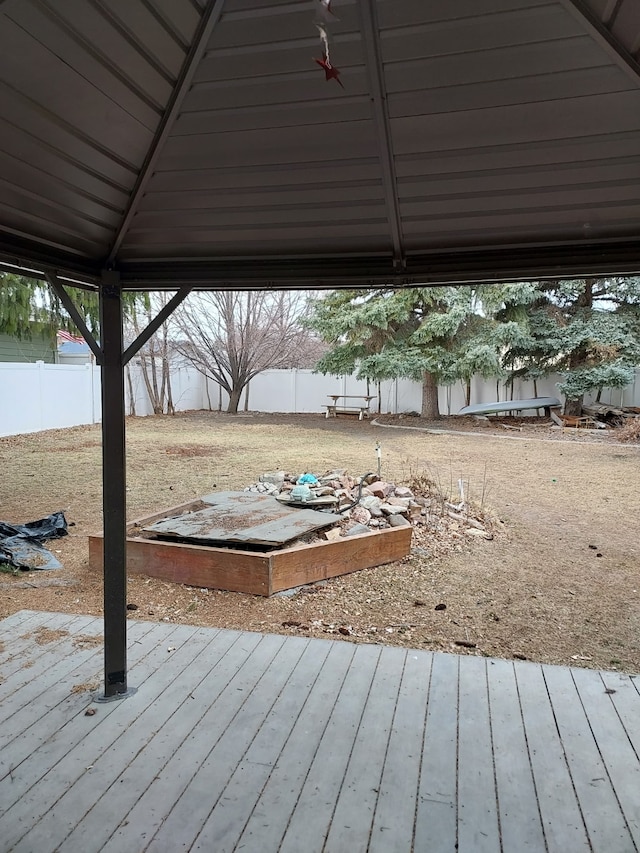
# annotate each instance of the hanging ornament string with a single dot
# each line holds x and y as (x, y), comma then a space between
(323, 12)
(325, 16)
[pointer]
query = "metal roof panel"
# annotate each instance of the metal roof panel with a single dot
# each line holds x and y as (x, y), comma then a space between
(148, 129)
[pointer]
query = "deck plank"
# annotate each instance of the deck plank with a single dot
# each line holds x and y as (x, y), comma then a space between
(83, 654)
(146, 741)
(238, 742)
(233, 809)
(215, 766)
(436, 814)
(626, 699)
(520, 820)
(393, 824)
(562, 818)
(23, 649)
(22, 733)
(14, 632)
(182, 746)
(56, 767)
(478, 827)
(57, 737)
(606, 825)
(268, 821)
(357, 797)
(617, 752)
(345, 774)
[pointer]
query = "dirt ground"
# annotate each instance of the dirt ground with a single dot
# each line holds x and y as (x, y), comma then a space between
(559, 583)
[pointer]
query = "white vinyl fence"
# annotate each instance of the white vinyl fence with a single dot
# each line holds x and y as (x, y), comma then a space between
(35, 397)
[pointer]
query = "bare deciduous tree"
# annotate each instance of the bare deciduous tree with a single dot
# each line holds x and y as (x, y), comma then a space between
(232, 336)
(153, 357)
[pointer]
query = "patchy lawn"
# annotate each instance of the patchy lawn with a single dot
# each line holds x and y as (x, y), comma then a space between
(559, 583)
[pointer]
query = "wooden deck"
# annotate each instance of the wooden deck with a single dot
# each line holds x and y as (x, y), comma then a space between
(259, 743)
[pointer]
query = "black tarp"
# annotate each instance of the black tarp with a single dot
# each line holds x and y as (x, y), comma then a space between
(21, 544)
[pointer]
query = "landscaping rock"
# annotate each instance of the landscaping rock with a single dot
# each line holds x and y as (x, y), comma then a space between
(323, 490)
(403, 492)
(373, 504)
(361, 515)
(357, 529)
(380, 489)
(399, 521)
(390, 509)
(404, 502)
(275, 477)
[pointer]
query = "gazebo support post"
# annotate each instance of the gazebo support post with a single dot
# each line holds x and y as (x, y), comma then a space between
(114, 488)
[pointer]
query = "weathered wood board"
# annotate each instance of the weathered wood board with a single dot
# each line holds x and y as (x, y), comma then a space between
(242, 518)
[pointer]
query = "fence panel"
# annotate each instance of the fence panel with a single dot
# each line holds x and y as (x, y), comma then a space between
(40, 396)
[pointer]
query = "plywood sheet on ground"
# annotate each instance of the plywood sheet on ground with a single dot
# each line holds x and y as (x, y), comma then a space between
(243, 518)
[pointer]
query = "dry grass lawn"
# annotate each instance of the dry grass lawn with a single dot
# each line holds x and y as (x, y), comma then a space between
(559, 583)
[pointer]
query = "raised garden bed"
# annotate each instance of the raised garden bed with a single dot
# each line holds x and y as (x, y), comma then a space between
(250, 571)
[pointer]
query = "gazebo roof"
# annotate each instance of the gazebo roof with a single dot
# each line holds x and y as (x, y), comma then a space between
(197, 142)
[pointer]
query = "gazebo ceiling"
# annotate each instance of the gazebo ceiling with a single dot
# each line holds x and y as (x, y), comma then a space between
(184, 141)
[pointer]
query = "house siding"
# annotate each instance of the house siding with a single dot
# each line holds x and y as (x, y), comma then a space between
(39, 348)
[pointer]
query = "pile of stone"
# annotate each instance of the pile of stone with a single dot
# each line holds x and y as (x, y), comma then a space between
(364, 501)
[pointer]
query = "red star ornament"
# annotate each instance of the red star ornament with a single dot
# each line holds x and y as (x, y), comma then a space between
(330, 71)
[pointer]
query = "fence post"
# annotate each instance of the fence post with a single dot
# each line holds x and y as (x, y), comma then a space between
(41, 424)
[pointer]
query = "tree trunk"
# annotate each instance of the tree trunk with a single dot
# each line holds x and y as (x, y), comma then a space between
(132, 396)
(430, 407)
(166, 381)
(574, 407)
(234, 400)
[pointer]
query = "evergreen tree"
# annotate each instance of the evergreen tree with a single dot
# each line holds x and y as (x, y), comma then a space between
(586, 329)
(29, 306)
(434, 335)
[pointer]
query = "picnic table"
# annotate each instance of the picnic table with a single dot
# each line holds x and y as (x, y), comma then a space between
(360, 408)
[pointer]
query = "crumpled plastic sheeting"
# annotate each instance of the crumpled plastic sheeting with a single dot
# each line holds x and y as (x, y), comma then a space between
(20, 544)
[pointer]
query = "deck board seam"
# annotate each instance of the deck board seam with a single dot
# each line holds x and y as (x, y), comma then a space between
(493, 754)
(291, 732)
(457, 843)
(386, 751)
(311, 763)
(531, 767)
(218, 740)
(258, 732)
(566, 759)
(353, 745)
(622, 723)
(604, 761)
(421, 761)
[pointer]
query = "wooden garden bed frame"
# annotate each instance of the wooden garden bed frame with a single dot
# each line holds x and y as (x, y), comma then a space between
(252, 572)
